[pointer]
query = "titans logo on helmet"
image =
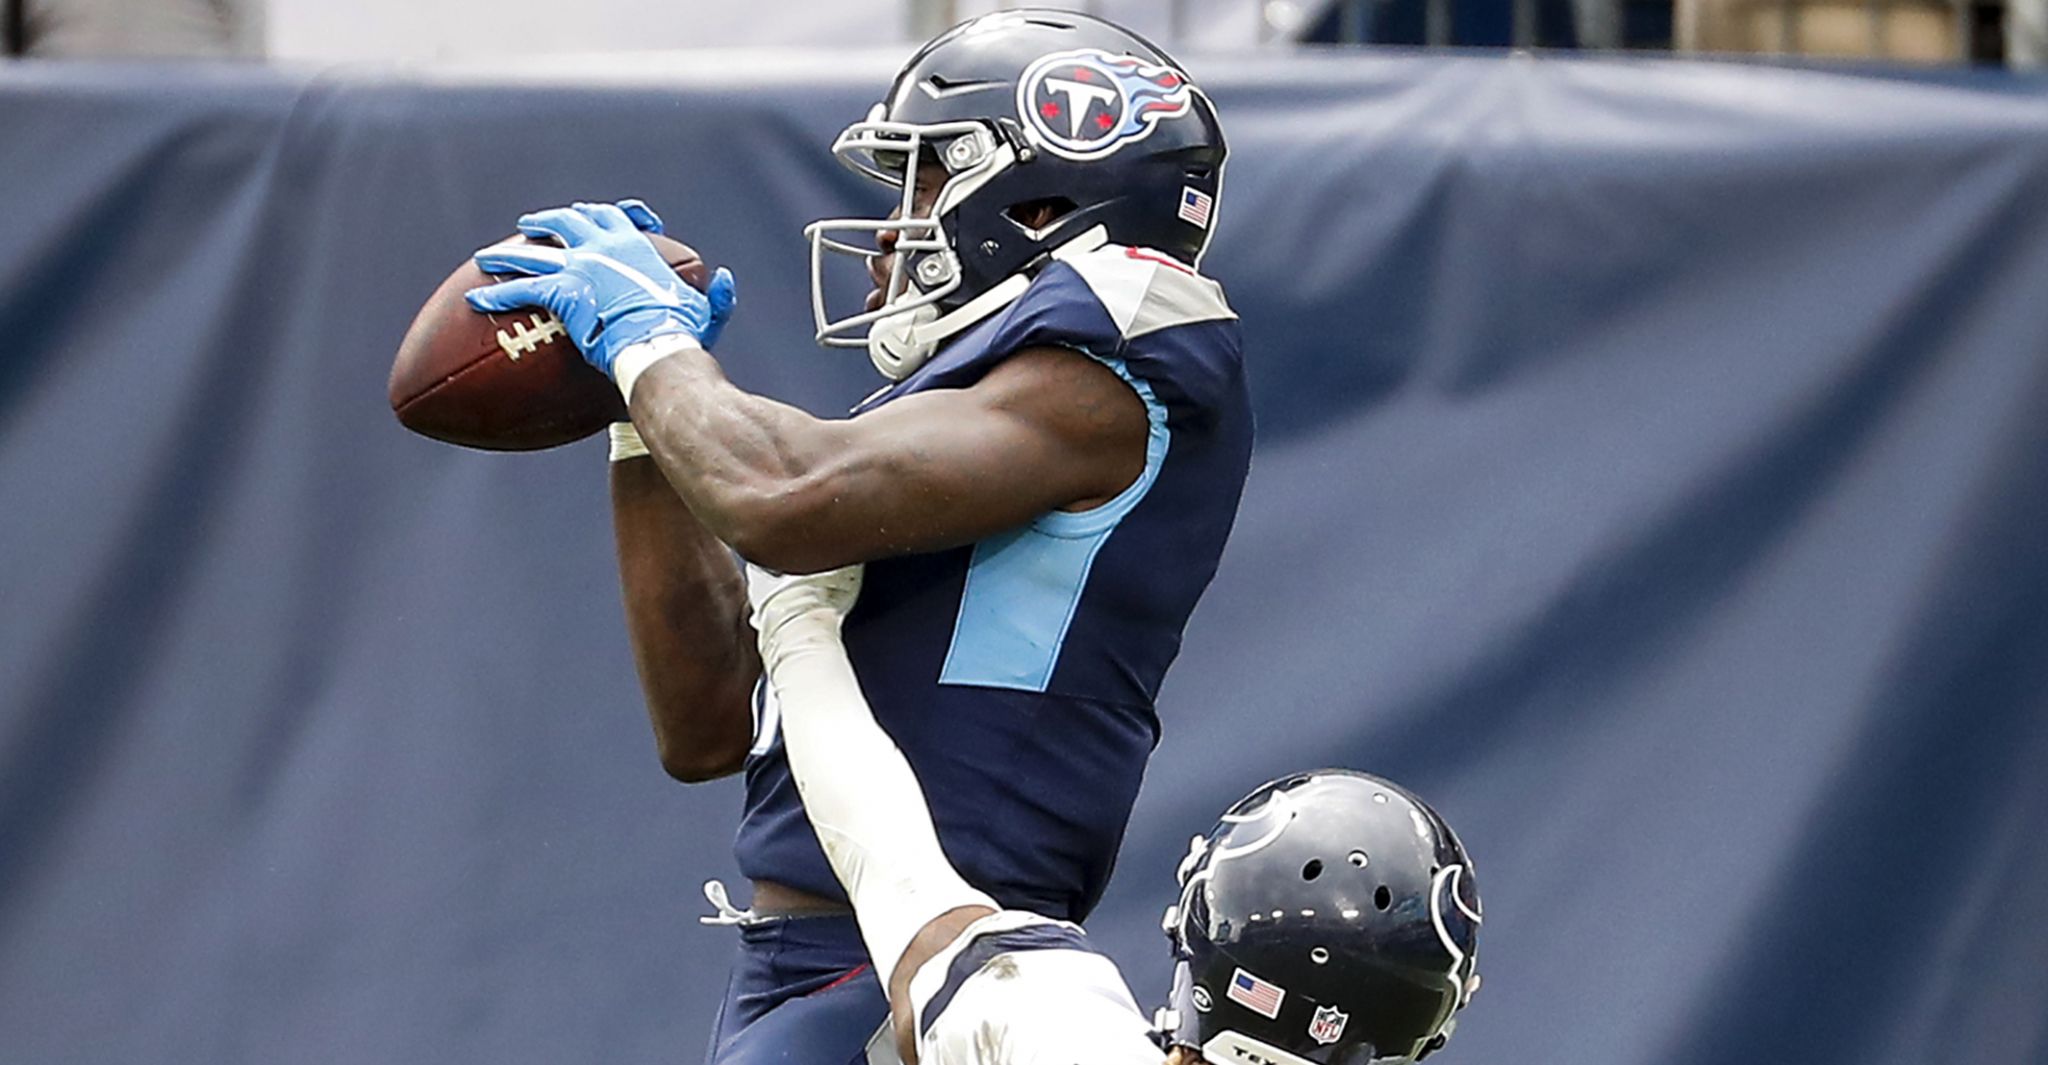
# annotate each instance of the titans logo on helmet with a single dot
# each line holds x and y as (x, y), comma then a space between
(1087, 103)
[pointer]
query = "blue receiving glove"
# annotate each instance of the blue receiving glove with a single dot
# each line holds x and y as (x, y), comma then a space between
(606, 283)
(721, 295)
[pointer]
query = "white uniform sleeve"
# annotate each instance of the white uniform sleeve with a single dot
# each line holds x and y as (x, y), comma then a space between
(861, 796)
(1026, 1007)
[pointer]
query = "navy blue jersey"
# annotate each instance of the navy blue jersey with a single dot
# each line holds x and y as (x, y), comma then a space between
(1018, 673)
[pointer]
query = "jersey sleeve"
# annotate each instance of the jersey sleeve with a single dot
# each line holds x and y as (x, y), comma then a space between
(1018, 989)
(1159, 324)
(1152, 318)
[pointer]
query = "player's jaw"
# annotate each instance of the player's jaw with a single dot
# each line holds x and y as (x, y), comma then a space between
(879, 266)
(930, 178)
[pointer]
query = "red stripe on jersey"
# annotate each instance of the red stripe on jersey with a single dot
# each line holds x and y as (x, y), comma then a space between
(1154, 257)
(850, 974)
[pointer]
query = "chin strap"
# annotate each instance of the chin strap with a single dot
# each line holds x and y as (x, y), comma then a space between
(901, 343)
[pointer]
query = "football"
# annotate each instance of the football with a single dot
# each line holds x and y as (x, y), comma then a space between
(505, 382)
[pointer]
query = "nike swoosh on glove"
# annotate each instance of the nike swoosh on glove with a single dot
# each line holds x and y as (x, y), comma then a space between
(606, 282)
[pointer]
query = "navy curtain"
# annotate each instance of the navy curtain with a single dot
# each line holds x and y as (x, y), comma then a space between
(1653, 474)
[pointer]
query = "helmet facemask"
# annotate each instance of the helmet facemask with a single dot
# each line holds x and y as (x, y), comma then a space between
(925, 268)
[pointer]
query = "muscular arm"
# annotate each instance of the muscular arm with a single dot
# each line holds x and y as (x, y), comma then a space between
(686, 610)
(1047, 429)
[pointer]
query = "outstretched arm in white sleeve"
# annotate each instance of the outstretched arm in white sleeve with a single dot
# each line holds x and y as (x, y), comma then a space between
(862, 797)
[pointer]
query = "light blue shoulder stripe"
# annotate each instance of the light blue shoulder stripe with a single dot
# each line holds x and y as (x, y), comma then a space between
(1023, 586)
(1100, 519)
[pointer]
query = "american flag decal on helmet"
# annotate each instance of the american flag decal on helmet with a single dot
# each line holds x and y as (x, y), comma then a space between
(1194, 207)
(1254, 994)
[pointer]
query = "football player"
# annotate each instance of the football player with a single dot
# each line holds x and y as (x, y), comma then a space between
(1040, 492)
(1331, 918)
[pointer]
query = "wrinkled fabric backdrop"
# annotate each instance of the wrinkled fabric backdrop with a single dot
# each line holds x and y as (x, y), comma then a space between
(1653, 467)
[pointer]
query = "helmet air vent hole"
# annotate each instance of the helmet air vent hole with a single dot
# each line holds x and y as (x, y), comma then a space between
(1382, 898)
(1379, 797)
(1319, 955)
(1357, 859)
(944, 85)
(1313, 869)
(1040, 214)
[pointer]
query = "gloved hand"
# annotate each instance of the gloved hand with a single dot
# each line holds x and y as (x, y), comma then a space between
(606, 283)
(778, 599)
(721, 294)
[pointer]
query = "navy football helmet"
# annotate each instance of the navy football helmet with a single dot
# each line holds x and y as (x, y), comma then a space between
(1026, 110)
(1330, 918)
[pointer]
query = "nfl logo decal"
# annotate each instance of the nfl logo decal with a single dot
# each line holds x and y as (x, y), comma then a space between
(1255, 994)
(1194, 207)
(1327, 1026)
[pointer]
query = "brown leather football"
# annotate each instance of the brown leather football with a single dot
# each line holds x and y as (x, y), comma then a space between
(505, 382)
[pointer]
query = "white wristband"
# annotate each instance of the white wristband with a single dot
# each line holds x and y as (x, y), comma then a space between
(626, 442)
(634, 361)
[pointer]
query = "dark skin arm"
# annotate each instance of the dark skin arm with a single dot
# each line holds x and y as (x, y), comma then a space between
(1047, 429)
(686, 611)
(930, 940)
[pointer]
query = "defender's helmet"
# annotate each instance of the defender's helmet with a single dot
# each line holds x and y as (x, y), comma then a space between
(1024, 109)
(1330, 918)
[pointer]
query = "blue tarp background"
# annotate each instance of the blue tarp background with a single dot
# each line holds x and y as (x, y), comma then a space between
(1653, 473)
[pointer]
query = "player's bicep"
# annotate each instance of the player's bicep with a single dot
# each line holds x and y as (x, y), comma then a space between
(1048, 429)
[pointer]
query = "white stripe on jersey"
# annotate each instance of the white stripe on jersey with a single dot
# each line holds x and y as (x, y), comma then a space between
(1145, 291)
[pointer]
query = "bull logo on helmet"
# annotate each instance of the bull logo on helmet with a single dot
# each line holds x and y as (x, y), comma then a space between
(1087, 103)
